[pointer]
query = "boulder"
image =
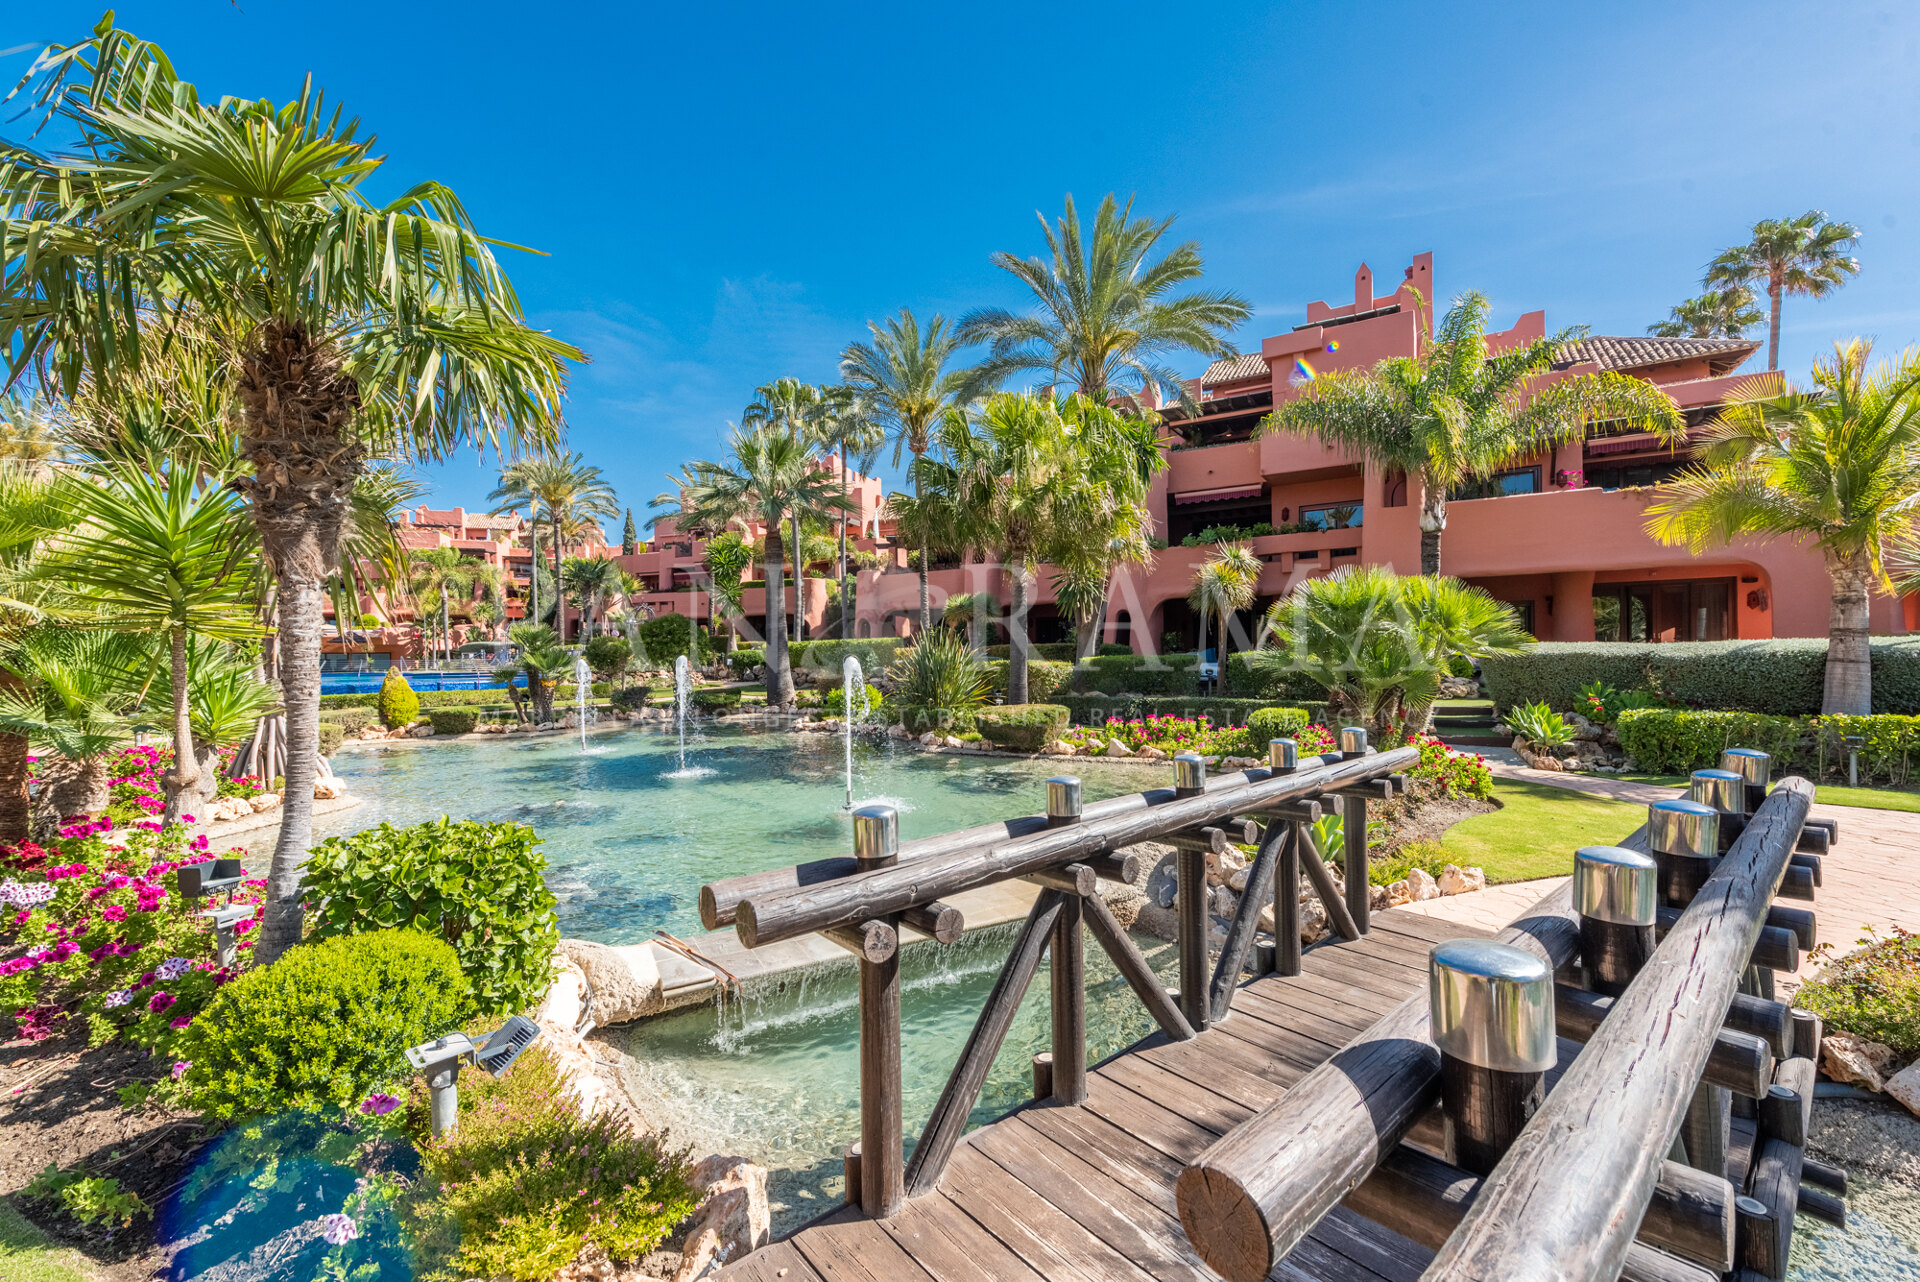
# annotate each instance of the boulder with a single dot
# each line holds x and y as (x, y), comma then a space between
(372, 732)
(1115, 748)
(1237, 880)
(328, 789)
(930, 739)
(1125, 903)
(1455, 880)
(264, 802)
(1399, 893)
(1225, 902)
(1377, 899)
(954, 741)
(620, 984)
(1846, 1057)
(1059, 748)
(1151, 753)
(423, 731)
(1422, 886)
(732, 1218)
(1905, 1087)
(899, 732)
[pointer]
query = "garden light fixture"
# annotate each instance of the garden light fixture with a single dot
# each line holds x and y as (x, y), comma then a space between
(208, 879)
(441, 1058)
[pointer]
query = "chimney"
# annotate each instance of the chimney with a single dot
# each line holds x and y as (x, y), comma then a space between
(1363, 289)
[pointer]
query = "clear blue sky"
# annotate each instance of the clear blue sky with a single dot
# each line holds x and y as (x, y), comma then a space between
(728, 192)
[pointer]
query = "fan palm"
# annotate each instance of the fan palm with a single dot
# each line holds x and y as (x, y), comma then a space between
(159, 558)
(1108, 316)
(353, 324)
(791, 406)
(1805, 255)
(561, 489)
(1838, 465)
(542, 662)
(1454, 413)
(439, 575)
(1718, 313)
(903, 376)
(590, 582)
(965, 611)
(843, 421)
(1225, 584)
(73, 690)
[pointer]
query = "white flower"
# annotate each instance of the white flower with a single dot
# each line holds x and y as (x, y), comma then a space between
(338, 1229)
(120, 998)
(21, 895)
(174, 967)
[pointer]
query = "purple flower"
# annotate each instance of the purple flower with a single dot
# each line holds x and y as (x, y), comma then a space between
(380, 1105)
(180, 1067)
(120, 998)
(160, 1001)
(174, 967)
(338, 1229)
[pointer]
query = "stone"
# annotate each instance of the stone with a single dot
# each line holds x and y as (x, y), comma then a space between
(1455, 880)
(566, 1000)
(1059, 748)
(621, 984)
(1125, 903)
(1905, 1087)
(1117, 749)
(328, 789)
(929, 739)
(1237, 880)
(420, 732)
(954, 741)
(732, 1218)
(1377, 899)
(1151, 753)
(1421, 886)
(264, 802)
(1225, 902)
(1399, 893)
(372, 732)
(1846, 1057)
(899, 732)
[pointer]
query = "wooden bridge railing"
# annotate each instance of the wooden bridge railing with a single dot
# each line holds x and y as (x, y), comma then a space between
(861, 902)
(1622, 1170)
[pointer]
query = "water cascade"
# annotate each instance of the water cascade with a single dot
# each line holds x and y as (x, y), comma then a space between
(583, 694)
(853, 694)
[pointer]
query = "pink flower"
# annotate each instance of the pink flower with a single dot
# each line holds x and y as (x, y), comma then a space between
(160, 1001)
(180, 1067)
(114, 912)
(180, 1021)
(380, 1105)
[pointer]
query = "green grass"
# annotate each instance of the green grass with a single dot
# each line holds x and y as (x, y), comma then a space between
(1827, 794)
(1537, 829)
(25, 1255)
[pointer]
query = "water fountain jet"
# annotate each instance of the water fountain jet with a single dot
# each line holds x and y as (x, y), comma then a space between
(853, 681)
(582, 691)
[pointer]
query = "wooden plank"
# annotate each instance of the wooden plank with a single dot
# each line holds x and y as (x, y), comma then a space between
(1175, 1134)
(1052, 1243)
(952, 1246)
(775, 1262)
(848, 1247)
(1155, 1083)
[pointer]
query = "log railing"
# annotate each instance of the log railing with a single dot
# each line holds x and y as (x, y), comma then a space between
(1621, 1169)
(862, 902)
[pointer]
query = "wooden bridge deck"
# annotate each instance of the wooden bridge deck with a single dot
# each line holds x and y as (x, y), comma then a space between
(1086, 1193)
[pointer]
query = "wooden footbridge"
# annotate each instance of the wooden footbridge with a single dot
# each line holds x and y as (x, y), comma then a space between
(1411, 1099)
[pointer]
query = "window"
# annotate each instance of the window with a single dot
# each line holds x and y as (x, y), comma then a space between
(1523, 610)
(1332, 516)
(1682, 610)
(1519, 480)
(1632, 475)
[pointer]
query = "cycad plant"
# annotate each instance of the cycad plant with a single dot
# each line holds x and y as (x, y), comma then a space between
(965, 611)
(1837, 466)
(225, 700)
(542, 662)
(938, 681)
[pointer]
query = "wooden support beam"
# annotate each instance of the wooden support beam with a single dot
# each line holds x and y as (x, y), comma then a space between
(1739, 1061)
(871, 941)
(1115, 865)
(1831, 1178)
(882, 1192)
(1286, 900)
(1067, 973)
(1807, 1032)
(1797, 883)
(1214, 839)
(1822, 1205)
(1330, 899)
(1811, 863)
(943, 922)
(1814, 840)
(1776, 947)
(1192, 901)
(1354, 860)
(1134, 968)
(1245, 924)
(948, 1120)
(1074, 879)
(1785, 1112)
(1764, 1230)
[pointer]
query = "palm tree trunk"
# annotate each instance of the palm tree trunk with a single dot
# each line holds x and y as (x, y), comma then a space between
(301, 597)
(1773, 323)
(1204, 612)
(1017, 637)
(559, 597)
(926, 610)
(186, 772)
(799, 583)
(1849, 683)
(1433, 520)
(846, 493)
(779, 672)
(16, 805)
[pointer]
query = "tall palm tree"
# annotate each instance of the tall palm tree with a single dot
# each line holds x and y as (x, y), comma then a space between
(1118, 532)
(591, 581)
(1453, 413)
(1838, 465)
(1718, 313)
(439, 575)
(726, 557)
(843, 422)
(1805, 255)
(769, 475)
(791, 406)
(353, 323)
(1108, 315)
(159, 558)
(561, 489)
(1225, 584)
(904, 378)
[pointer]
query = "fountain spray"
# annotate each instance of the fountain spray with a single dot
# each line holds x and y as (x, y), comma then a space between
(582, 690)
(853, 683)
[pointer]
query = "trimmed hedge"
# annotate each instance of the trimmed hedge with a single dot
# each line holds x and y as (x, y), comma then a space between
(1670, 741)
(493, 696)
(874, 653)
(1245, 681)
(1276, 723)
(1045, 677)
(1090, 710)
(332, 734)
(1060, 650)
(1144, 674)
(1781, 678)
(716, 700)
(350, 720)
(745, 660)
(453, 720)
(398, 704)
(1021, 727)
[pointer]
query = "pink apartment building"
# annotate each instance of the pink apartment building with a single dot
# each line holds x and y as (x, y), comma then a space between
(1561, 536)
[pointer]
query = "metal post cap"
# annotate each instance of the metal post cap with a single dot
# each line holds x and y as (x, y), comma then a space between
(1492, 1006)
(1682, 827)
(1353, 740)
(1189, 772)
(1612, 883)
(1724, 790)
(1283, 754)
(1063, 797)
(1751, 764)
(876, 832)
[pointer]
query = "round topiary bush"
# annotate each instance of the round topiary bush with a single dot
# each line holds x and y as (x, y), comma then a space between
(716, 700)
(453, 720)
(399, 705)
(1275, 723)
(323, 1027)
(1022, 727)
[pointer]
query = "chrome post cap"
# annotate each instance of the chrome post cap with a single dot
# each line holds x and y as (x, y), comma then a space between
(1063, 797)
(1492, 1005)
(876, 832)
(1682, 827)
(1353, 740)
(1612, 883)
(1189, 771)
(1283, 754)
(1724, 790)
(1751, 764)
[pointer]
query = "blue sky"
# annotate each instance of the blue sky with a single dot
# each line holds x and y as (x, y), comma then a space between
(727, 193)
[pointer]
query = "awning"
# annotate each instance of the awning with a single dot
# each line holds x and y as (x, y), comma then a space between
(1222, 495)
(1642, 444)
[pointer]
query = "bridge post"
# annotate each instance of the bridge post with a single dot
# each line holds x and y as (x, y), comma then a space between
(1190, 780)
(1283, 758)
(1491, 1011)
(1353, 743)
(882, 1165)
(1616, 893)
(1686, 837)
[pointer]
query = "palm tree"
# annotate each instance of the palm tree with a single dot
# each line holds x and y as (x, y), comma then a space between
(1453, 413)
(1118, 530)
(1225, 584)
(789, 405)
(564, 491)
(1805, 255)
(1718, 313)
(1838, 465)
(225, 700)
(842, 421)
(543, 661)
(74, 689)
(157, 557)
(770, 475)
(726, 557)
(904, 378)
(352, 323)
(1108, 315)
(591, 581)
(964, 611)
(440, 574)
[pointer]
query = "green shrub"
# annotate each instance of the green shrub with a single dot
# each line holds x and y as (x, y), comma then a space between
(453, 720)
(941, 675)
(323, 1027)
(523, 1183)
(1094, 710)
(1275, 723)
(662, 640)
(332, 735)
(743, 661)
(1054, 650)
(1540, 726)
(349, 701)
(350, 720)
(477, 885)
(874, 653)
(716, 700)
(629, 698)
(1669, 741)
(1021, 727)
(806, 699)
(1045, 677)
(1781, 678)
(1112, 647)
(1245, 680)
(90, 1199)
(1175, 674)
(1872, 992)
(399, 705)
(609, 657)
(1461, 666)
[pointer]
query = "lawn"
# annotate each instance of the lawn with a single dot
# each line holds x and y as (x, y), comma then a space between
(1826, 794)
(1537, 829)
(26, 1257)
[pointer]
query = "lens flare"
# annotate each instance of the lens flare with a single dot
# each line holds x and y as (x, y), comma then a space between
(1303, 372)
(1333, 344)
